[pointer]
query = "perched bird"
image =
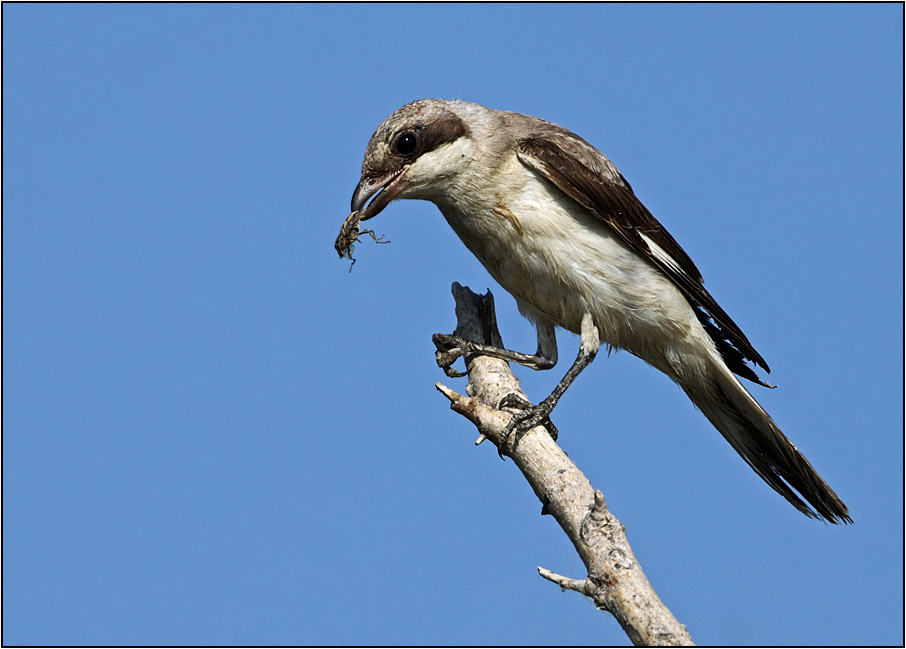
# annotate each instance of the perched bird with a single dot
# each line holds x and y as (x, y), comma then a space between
(555, 224)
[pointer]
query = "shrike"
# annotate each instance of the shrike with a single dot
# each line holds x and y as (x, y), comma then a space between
(555, 223)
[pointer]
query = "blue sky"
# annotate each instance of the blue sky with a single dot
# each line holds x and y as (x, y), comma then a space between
(215, 434)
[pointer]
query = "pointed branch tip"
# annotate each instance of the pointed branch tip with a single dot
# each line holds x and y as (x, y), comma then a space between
(565, 583)
(452, 395)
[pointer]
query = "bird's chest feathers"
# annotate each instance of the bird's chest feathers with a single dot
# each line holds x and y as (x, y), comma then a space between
(547, 250)
(501, 217)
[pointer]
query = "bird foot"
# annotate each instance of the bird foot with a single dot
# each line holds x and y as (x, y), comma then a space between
(449, 349)
(527, 417)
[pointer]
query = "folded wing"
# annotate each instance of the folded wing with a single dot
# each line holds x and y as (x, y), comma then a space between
(584, 174)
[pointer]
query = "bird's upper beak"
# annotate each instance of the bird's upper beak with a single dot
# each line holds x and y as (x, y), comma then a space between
(390, 183)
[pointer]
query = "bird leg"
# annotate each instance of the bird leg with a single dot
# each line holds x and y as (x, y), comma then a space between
(451, 347)
(531, 416)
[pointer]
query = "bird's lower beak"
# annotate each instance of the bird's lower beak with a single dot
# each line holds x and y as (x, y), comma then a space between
(369, 186)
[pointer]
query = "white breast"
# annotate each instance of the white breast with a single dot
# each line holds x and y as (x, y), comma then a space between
(560, 262)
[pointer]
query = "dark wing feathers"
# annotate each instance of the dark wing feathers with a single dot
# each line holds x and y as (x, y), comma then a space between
(589, 178)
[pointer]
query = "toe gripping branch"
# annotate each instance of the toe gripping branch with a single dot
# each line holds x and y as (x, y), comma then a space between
(531, 416)
(464, 342)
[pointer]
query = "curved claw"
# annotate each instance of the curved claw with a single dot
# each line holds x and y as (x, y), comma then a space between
(513, 400)
(446, 357)
(452, 372)
(449, 349)
(523, 421)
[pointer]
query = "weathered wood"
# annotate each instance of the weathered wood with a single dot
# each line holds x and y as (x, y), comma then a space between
(615, 579)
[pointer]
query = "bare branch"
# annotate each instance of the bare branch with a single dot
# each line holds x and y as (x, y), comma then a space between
(566, 583)
(615, 579)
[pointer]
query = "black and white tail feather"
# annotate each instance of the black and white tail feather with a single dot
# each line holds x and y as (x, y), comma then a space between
(754, 435)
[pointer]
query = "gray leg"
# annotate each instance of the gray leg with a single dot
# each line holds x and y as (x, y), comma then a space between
(532, 416)
(450, 348)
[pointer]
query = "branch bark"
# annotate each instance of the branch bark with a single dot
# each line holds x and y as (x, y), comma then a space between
(615, 579)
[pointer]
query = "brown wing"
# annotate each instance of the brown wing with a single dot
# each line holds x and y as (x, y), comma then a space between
(584, 174)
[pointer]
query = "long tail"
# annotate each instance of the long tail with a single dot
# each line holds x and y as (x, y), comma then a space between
(755, 436)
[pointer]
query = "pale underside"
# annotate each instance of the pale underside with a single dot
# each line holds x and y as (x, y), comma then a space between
(560, 262)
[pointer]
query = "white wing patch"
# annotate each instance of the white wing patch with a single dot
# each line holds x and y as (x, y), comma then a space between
(661, 255)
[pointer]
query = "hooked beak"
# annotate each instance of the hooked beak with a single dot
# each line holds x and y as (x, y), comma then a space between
(369, 186)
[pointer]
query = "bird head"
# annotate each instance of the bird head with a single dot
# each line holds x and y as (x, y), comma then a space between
(412, 154)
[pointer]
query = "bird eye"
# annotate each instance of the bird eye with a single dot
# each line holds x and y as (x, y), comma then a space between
(406, 144)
